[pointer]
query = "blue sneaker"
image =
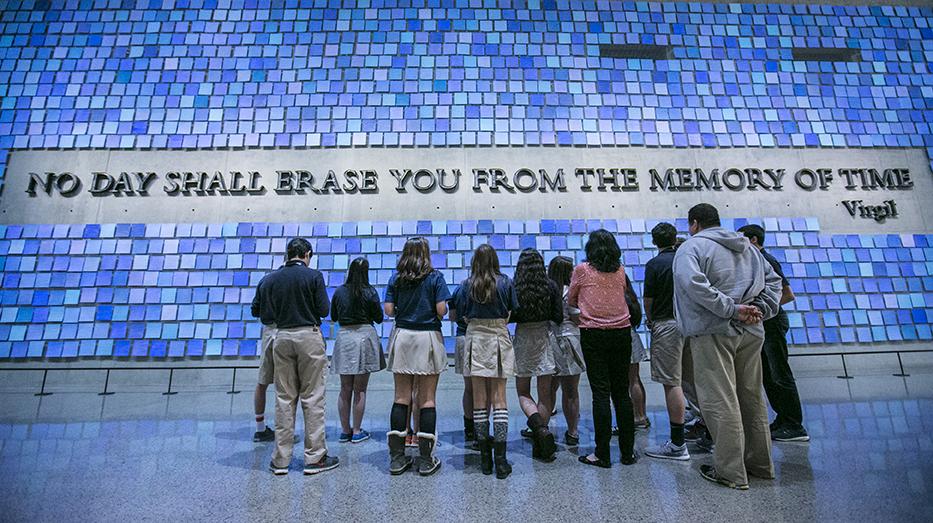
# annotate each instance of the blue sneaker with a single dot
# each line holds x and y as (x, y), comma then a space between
(360, 436)
(345, 437)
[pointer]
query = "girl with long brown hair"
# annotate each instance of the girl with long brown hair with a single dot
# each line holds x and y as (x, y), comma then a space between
(416, 296)
(486, 300)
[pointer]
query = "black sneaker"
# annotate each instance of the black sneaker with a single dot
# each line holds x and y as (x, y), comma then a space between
(790, 434)
(705, 443)
(526, 433)
(278, 471)
(709, 473)
(615, 431)
(695, 432)
(570, 440)
(328, 463)
(264, 435)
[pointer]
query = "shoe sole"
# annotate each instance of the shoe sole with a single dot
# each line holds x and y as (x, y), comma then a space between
(667, 457)
(279, 472)
(796, 439)
(398, 472)
(311, 472)
(723, 482)
(359, 440)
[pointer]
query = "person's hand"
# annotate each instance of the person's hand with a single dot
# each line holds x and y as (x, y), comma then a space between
(749, 314)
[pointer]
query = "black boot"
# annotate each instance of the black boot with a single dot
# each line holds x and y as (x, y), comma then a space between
(543, 446)
(398, 461)
(469, 430)
(503, 468)
(429, 462)
(485, 454)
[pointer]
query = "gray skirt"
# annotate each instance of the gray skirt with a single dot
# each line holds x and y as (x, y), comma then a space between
(639, 354)
(568, 356)
(534, 349)
(357, 350)
(460, 364)
(487, 349)
(416, 352)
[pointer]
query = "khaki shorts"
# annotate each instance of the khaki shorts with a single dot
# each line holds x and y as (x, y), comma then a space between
(266, 365)
(667, 351)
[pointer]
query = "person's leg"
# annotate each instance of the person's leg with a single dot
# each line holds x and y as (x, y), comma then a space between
(779, 378)
(570, 399)
(594, 354)
(266, 377)
(398, 421)
(619, 359)
(312, 371)
(469, 430)
(500, 421)
(259, 408)
(545, 399)
(527, 403)
(481, 400)
(636, 391)
(757, 455)
(360, 384)
(427, 423)
(343, 403)
(286, 401)
(674, 398)
(714, 371)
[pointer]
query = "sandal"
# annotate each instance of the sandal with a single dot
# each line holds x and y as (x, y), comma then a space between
(598, 463)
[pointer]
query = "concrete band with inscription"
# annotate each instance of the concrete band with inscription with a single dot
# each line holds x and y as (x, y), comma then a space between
(848, 190)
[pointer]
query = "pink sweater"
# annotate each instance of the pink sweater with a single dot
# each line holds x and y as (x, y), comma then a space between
(600, 296)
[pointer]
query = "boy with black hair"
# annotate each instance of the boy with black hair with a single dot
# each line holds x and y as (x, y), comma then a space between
(778, 378)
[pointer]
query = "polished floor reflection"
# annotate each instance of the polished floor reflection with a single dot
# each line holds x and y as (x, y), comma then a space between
(138, 456)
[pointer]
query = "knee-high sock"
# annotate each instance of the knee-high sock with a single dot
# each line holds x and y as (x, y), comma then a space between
(500, 422)
(481, 422)
(398, 420)
(428, 420)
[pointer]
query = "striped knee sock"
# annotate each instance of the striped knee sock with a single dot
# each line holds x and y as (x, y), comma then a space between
(500, 423)
(481, 422)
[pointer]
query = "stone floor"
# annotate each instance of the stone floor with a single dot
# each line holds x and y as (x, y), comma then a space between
(143, 456)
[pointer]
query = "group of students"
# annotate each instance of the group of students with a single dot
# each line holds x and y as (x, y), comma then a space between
(707, 298)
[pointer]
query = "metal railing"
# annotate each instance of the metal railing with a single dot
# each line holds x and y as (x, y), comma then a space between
(233, 390)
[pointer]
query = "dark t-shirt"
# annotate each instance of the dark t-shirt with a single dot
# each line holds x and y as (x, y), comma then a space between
(345, 309)
(452, 303)
(293, 296)
(776, 265)
(659, 285)
(504, 302)
(415, 305)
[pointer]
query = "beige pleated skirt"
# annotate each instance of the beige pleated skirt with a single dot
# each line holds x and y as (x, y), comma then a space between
(487, 349)
(534, 349)
(416, 352)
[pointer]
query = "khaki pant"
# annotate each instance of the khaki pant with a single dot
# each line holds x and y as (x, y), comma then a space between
(300, 375)
(727, 370)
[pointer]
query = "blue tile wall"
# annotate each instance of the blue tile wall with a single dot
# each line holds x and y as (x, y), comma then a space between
(173, 290)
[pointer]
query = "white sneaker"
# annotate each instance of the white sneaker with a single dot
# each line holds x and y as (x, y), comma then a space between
(669, 451)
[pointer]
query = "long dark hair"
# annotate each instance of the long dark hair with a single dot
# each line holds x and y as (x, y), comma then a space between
(559, 270)
(602, 251)
(415, 263)
(484, 270)
(358, 279)
(532, 284)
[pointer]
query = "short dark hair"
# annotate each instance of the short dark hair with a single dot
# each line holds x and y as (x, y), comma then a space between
(663, 235)
(298, 248)
(704, 214)
(754, 231)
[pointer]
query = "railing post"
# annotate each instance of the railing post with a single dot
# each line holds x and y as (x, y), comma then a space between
(845, 371)
(42, 392)
(171, 374)
(900, 363)
(233, 384)
(106, 384)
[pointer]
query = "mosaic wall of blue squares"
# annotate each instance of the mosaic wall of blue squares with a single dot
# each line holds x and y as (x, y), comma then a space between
(167, 74)
(173, 290)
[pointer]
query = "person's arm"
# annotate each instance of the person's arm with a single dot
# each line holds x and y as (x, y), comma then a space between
(441, 295)
(787, 294)
(691, 281)
(769, 299)
(334, 307)
(557, 305)
(375, 309)
(320, 297)
(648, 301)
(255, 308)
(573, 294)
(648, 292)
(389, 305)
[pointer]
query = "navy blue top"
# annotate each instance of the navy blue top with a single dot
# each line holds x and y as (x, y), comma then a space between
(347, 310)
(505, 301)
(659, 284)
(415, 305)
(452, 305)
(293, 296)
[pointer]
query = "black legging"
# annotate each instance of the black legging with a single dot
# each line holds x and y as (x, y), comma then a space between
(608, 353)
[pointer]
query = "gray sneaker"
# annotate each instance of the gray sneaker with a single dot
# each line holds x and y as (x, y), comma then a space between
(328, 463)
(668, 450)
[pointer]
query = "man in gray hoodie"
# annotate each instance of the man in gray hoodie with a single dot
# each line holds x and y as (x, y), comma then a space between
(723, 290)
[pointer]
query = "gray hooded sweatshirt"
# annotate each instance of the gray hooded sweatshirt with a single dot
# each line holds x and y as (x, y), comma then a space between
(715, 271)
